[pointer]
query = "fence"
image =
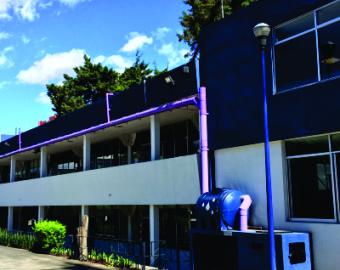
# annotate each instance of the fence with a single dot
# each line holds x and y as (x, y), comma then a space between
(144, 253)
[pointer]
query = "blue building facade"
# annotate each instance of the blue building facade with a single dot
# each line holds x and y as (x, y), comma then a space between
(303, 71)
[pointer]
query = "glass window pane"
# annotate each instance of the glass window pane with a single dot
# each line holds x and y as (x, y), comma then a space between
(295, 26)
(307, 146)
(311, 188)
(329, 48)
(329, 13)
(335, 139)
(295, 62)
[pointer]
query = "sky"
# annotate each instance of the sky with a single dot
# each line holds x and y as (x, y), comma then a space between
(40, 40)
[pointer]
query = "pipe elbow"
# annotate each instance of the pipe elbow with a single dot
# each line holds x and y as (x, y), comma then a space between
(246, 202)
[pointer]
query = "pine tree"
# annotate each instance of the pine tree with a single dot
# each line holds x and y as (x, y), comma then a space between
(91, 82)
(202, 13)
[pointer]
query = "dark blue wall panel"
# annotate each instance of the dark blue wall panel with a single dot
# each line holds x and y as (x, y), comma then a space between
(137, 98)
(231, 70)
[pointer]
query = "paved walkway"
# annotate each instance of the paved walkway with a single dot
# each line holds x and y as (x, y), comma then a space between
(18, 259)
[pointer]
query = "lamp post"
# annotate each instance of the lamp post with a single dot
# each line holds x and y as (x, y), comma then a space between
(261, 32)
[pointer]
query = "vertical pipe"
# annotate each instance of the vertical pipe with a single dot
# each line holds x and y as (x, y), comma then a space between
(19, 137)
(204, 139)
(270, 215)
(108, 106)
(244, 207)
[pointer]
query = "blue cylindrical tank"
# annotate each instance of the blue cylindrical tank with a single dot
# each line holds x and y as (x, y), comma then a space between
(218, 210)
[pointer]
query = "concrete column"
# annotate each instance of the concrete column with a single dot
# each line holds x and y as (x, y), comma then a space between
(10, 218)
(84, 210)
(43, 161)
(154, 232)
(12, 169)
(155, 137)
(86, 152)
(130, 228)
(41, 212)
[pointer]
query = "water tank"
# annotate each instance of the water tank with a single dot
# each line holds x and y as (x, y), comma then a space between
(217, 211)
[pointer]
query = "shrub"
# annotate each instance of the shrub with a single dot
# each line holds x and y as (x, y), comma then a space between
(112, 260)
(17, 240)
(66, 252)
(49, 234)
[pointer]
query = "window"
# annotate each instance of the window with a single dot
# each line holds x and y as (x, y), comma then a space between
(313, 174)
(179, 139)
(108, 153)
(28, 169)
(65, 162)
(307, 49)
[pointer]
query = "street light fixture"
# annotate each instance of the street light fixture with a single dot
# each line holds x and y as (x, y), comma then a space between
(262, 32)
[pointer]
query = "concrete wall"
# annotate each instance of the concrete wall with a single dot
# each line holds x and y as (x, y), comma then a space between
(162, 182)
(243, 168)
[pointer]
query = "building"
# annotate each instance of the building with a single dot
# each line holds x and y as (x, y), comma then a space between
(129, 162)
(147, 138)
(303, 63)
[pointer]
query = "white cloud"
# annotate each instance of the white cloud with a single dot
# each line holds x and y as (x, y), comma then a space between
(25, 39)
(5, 5)
(161, 32)
(52, 67)
(71, 2)
(118, 62)
(4, 35)
(43, 98)
(136, 41)
(4, 83)
(28, 9)
(5, 60)
(174, 55)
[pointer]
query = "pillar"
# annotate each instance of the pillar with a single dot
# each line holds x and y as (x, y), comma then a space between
(130, 228)
(41, 212)
(43, 161)
(154, 233)
(86, 152)
(84, 210)
(83, 232)
(10, 218)
(12, 169)
(155, 137)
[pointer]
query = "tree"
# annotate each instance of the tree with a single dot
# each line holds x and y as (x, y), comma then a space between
(202, 13)
(135, 74)
(91, 82)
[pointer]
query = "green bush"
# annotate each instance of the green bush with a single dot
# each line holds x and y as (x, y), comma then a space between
(49, 234)
(17, 240)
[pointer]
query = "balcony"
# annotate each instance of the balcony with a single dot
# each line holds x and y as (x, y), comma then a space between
(161, 182)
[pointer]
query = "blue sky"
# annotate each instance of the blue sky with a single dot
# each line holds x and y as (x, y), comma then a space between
(42, 39)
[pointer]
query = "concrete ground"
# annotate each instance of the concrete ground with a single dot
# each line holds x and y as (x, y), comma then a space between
(19, 259)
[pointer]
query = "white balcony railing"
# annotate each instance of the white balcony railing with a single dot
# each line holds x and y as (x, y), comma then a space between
(161, 182)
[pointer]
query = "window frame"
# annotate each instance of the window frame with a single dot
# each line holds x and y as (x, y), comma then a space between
(314, 29)
(334, 182)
